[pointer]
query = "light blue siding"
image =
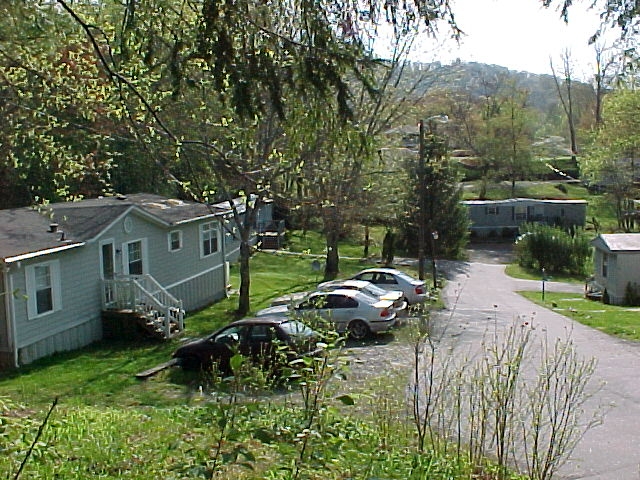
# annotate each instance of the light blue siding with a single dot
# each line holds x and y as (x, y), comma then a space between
(77, 323)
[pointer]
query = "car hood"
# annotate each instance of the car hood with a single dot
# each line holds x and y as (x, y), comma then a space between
(190, 346)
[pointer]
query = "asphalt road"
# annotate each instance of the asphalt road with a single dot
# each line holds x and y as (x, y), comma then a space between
(479, 296)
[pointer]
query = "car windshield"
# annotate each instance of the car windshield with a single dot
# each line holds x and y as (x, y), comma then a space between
(297, 329)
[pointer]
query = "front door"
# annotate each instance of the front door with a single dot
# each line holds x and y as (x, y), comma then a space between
(107, 271)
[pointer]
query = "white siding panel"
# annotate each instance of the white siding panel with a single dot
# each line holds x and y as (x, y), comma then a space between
(201, 290)
(71, 339)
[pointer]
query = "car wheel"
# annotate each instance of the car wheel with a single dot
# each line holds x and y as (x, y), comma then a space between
(358, 330)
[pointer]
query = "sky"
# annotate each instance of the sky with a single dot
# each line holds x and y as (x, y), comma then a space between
(518, 34)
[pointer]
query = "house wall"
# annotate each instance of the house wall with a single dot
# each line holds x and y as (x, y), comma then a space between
(625, 270)
(565, 213)
(194, 279)
(622, 269)
(77, 321)
(502, 218)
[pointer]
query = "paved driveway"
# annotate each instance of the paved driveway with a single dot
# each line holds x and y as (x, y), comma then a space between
(479, 295)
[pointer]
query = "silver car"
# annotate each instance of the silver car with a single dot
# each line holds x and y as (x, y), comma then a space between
(415, 291)
(396, 296)
(349, 310)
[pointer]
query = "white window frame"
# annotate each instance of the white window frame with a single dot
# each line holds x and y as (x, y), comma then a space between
(170, 238)
(143, 252)
(54, 284)
(209, 233)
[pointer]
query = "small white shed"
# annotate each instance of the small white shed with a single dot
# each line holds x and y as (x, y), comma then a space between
(616, 264)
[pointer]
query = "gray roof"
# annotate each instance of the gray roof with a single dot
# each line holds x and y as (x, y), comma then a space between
(619, 242)
(513, 201)
(25, 231)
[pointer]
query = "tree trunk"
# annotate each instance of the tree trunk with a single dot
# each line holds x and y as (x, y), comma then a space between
(245, 277)
(365, 253)
(332, 265)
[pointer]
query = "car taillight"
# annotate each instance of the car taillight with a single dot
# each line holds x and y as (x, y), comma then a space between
(419, 289)
(384, 312)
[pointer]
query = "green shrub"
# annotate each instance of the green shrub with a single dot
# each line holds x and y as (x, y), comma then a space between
(553, 249)
(632, 294)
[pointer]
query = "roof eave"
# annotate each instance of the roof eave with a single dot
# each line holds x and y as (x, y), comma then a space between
(40, 253)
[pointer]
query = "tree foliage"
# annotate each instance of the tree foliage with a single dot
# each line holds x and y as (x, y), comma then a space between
(612, 160)
(444, 215)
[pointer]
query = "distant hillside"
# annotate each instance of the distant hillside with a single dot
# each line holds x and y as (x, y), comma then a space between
(474, 77)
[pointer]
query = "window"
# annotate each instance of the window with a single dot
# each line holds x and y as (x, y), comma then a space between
(605, 264)
(491, 210)
(175, 240)
(43, 289)
(209, 239)
(341, 301)
(134, 258)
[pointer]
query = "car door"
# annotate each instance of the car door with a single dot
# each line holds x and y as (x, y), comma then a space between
(341, 310)
(259, 342)
(312, 307)
(226, 344)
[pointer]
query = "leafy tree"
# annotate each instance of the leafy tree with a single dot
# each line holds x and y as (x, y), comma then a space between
(59, 123)
(443, 211)
(512, 131)
(499, 131)
(256, 62)
(606, 70)
(612, 161)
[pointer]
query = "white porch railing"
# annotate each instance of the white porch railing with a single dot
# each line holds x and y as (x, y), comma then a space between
(142, 294)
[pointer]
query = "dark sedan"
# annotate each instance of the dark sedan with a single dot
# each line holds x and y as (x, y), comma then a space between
(267, 341)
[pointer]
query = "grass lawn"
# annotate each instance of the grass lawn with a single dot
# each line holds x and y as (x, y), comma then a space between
(104, 373)
(623, 322)
(108, 424)
(516, 271)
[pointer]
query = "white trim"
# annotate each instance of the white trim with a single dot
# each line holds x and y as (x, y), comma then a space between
(56, 288)
(196, 219)
(27, 256)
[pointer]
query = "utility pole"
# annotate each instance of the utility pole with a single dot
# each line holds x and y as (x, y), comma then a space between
(421, 201)
(422, 190)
